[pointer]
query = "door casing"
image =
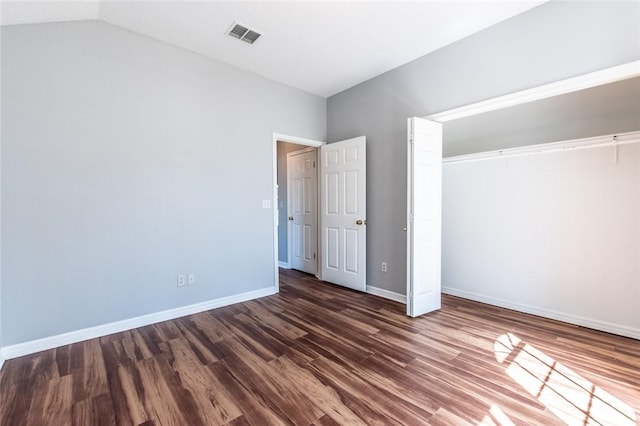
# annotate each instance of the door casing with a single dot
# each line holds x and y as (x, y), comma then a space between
(279, 137)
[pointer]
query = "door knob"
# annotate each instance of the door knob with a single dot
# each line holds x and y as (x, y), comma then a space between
(360, 222)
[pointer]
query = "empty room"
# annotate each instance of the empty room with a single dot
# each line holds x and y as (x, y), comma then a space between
(319, 213)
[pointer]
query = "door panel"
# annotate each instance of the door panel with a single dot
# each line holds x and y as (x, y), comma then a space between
(424, 221)
(331, 193)
(296, 241)
(343, 212)
(307, 189)
(351, 192)
(308, 250)
(302, 200)
(351, 250)
(332, 248)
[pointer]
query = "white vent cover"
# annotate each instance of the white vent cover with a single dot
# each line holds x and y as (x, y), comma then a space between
(244, 33)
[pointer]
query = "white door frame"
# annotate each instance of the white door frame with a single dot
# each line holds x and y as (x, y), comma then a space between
(290, 139)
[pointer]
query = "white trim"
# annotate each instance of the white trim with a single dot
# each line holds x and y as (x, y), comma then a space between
(290, 139)
(34, 346)
(545, 148)
(297, 140)
(391, 295)
(1, 357)
(276, 207)
(605, 326)
(283, 265)
(597, 78)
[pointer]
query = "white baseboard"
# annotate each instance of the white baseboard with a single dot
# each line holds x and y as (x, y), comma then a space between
(284, 265)
(608, 327)
(1, 358)
(34, 346)
(391, 295)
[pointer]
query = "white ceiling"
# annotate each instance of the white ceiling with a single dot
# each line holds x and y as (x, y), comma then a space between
(320, 47)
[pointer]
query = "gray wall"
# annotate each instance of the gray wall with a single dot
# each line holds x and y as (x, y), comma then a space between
(283, 242)
(607, 109)
(554, 41)
(126, 161)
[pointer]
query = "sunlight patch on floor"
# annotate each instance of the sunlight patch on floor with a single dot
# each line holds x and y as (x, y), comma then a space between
(571, 397)
(496, 417)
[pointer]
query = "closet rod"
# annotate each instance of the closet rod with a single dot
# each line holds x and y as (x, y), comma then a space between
(546, 148)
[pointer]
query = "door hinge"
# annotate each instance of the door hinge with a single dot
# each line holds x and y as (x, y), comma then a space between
(410, 217)
(314, 164)
(314, 255)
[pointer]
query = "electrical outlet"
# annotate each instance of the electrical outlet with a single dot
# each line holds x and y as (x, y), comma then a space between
(383, 267)
(182, 281)
(191, 278)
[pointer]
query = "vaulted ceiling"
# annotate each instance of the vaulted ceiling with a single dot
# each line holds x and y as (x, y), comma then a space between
(320, 47)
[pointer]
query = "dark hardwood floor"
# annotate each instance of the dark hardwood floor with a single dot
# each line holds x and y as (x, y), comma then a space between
(318, 354)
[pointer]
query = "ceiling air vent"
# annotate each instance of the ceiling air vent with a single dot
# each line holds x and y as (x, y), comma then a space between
(243, 33)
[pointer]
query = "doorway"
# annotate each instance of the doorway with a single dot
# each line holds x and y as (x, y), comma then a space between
(340, 206)
(282, 146)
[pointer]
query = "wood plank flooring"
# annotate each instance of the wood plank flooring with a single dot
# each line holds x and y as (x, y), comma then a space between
(318, 354)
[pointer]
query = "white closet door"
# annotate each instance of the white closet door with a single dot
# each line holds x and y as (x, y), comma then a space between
(424, 216)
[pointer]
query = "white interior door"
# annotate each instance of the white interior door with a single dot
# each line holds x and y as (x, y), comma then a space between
(343, 212)
(424, 216)
(302, 178)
